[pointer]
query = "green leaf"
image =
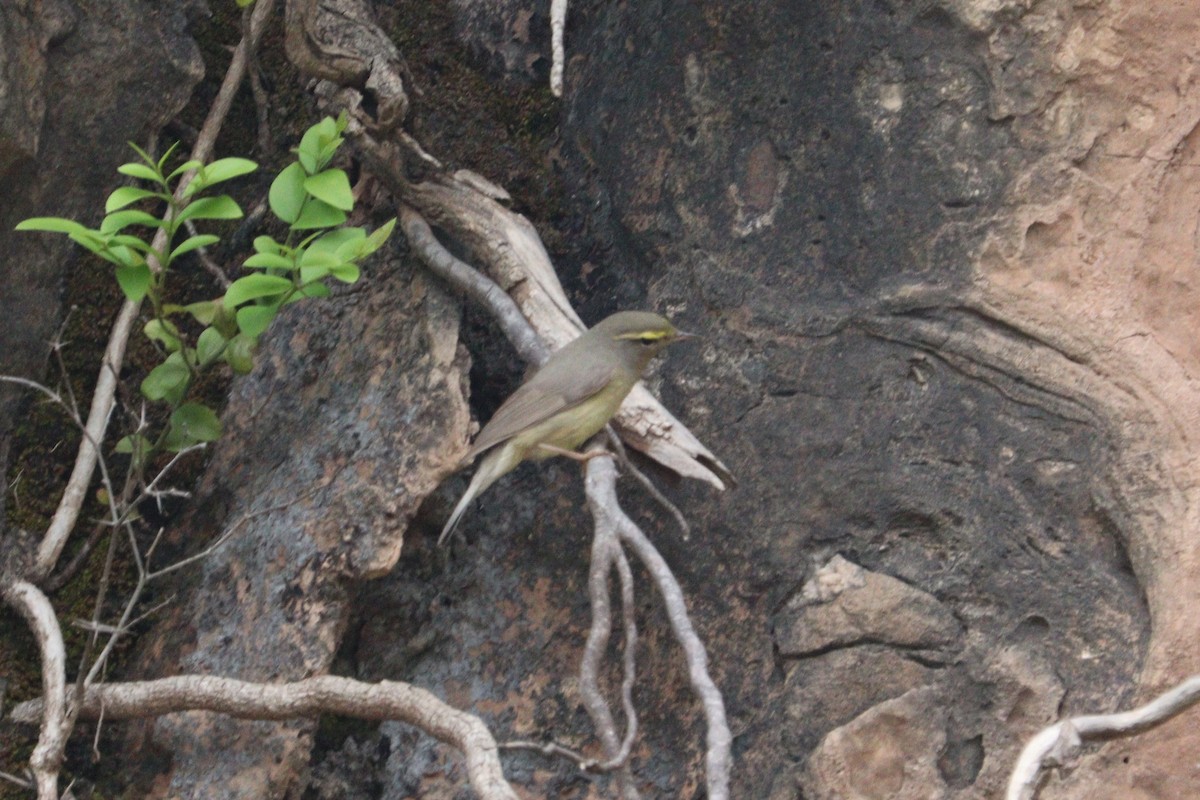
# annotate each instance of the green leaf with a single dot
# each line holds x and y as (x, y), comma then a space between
(162, 161)
(333, 187)
(224, 169)
(52, 225)
(176, 440)
(134, 280)
(378, 237)
(253, 320)
(95, 242)
(209, 346)
(320, 143)
(265, 244)
(318, 214)
(168, 380)
(220, 207)
(268, 261)
(251, 287)
(346, 272)
(124, 257)
(315, 264)
(130, 444)
(313, 272)
(197, 422)
(287, 193)
(317, 256)
(239, 354)
(132, 242)
(194, 243)
(185, 167)
(203, 312)
(165, 332)
(140, 171)
(317, 289)
(334, 241)
(311, 143)
(125, 195)
(118, 220)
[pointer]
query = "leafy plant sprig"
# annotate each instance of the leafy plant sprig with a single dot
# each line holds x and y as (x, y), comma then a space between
(308, 195)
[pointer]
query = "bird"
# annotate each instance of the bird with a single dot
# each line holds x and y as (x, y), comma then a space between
(568, 400)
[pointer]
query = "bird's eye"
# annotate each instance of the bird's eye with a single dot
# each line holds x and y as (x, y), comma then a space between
(649, 340)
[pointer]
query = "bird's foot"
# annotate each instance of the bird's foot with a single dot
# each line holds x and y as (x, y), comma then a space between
(582, 458)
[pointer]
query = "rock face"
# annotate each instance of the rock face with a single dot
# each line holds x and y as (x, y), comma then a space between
(323, 472)
(943, 255)
(930, 247)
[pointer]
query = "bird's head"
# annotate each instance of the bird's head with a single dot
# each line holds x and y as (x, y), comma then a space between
(640, 335)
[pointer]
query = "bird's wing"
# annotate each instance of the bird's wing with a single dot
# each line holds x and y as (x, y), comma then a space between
(535, 402)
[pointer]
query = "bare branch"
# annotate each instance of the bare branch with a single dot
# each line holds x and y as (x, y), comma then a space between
(206, 260)
(648, 484)
(630, 660)
(253, 70)
(602, 497)
(606, 549)
(1061, 743)
(558, 25)
(13, 779)
(387, 700)
(467, 279)
(47, 756)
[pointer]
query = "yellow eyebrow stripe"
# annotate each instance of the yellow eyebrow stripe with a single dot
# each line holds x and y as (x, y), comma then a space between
(643, 335)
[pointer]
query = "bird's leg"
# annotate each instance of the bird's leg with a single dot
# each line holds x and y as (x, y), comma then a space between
(582, 458)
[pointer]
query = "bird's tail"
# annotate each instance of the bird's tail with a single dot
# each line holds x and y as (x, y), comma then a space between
(495, 464)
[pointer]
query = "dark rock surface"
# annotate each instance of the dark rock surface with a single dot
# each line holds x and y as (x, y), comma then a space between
(322, 471)
(808, 186)
(820, 190)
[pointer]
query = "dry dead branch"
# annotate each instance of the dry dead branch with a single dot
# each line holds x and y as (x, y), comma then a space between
(1061, 743)
(34, 606)
(558, 26)
(387, 700)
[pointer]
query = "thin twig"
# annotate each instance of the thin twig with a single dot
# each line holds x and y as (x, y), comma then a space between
(647, 484)
(387, 700)
(630, 661)
(60, 579)
(585, 763)
(261, 101)
(8, 776)
(224, 537)
(1061, 743)
(206, 260)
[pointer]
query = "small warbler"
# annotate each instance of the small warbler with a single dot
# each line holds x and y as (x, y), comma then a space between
(567, 401)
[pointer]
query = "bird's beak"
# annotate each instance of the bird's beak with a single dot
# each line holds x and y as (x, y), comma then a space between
(683, 336)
